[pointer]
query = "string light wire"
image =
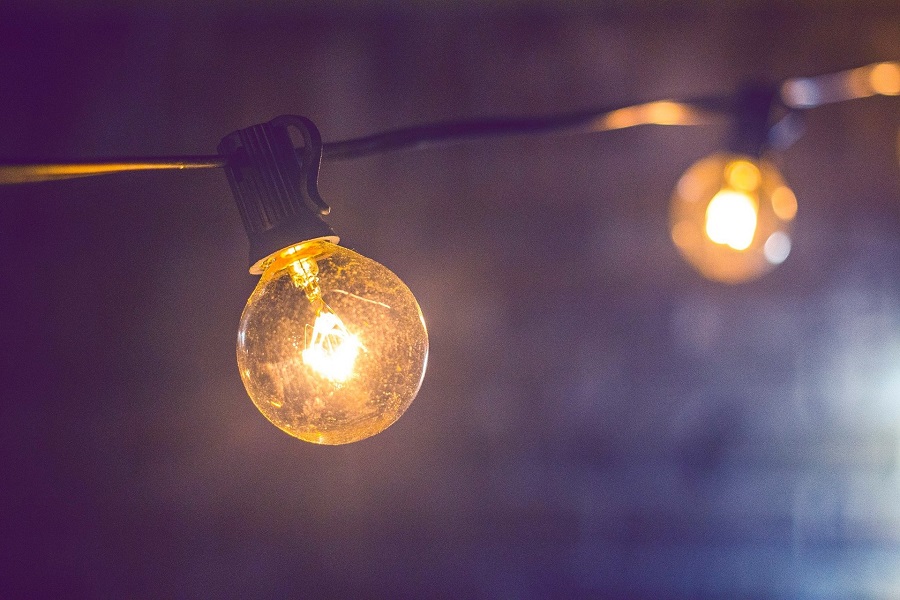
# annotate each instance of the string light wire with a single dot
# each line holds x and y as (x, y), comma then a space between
(796, 94)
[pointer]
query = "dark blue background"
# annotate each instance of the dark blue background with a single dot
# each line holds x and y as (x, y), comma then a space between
(596, 419)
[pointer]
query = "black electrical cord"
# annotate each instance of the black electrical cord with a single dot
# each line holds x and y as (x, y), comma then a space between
(692, 112)
(794, 94)
(684, 112)
(33, 171)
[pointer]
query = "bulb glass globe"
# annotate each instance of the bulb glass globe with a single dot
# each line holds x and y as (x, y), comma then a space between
(332, 346)
(731, 216)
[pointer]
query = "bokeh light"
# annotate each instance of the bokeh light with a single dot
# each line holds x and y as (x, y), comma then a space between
(731, 216)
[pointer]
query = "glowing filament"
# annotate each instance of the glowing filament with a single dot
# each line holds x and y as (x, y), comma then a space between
(731, 219)
(331, 350)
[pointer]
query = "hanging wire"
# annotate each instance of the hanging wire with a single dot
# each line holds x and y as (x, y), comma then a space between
(704, 111)
(878, 79)
(797, 94)
(695, 112)
(28, 172)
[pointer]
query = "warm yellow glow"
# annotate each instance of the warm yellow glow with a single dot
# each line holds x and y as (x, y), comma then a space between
(684, 235)
(862, 82)
(784, 203)
(731, 219)
(663, 112)
(743, 175)
(856, 83)
(884, 78)
(330, 349)
(699, 183)
(332, 346)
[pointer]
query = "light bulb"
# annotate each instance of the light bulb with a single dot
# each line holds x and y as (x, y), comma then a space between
(332, 346)
(731, 216)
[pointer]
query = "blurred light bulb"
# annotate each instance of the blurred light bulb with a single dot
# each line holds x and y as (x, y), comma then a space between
(332, 346)
(731, 216)
(731, 219)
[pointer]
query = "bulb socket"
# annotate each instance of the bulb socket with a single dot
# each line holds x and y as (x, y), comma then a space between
(275, 185)
(753, 112)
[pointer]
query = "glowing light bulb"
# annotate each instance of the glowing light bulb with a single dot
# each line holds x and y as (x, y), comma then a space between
(332, 346)
(731, 217)
(332, 350)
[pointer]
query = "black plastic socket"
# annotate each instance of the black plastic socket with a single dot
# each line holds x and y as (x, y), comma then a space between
(275, 184)
(753, 119)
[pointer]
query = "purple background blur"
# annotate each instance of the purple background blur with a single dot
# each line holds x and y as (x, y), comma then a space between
(596, 419)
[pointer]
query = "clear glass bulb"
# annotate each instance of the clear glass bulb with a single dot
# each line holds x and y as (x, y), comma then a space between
(731, 216)
(332, 346)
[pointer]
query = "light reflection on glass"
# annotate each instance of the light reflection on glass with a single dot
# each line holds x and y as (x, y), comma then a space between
(784, 203)
(884, 79)
(743, 175)
(777, 248)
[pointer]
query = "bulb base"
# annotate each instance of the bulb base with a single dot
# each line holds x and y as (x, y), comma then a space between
(275, 185)
(753, 113)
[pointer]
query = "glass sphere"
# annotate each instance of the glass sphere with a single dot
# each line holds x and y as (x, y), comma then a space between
(332, 346)
(731, 216)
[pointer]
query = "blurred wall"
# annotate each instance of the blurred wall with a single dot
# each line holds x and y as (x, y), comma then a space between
(596, 419)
